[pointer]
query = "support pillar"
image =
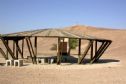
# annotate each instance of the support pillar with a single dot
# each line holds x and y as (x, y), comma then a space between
(91, 49)
(16, 49)
(27, 41)
(58, 53)
(7, 42)
(69, 46)
(96, 45)
(35, 50)
(79, 50)
(22, 48)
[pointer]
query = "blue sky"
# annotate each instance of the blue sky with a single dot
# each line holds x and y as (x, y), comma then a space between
(21, 15)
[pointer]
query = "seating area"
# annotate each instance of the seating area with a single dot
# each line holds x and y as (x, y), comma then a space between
(45, 60)
(15, 63)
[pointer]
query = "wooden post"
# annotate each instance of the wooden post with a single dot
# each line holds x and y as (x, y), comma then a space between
(8, 48)
(91, 49)
(7, 42)
(61, 47)
(106, 45)
(3, 53)
(58, 53)
(85, 53)
(29, 49)
(19, 50)
(22, 48)
(32, 50)
(79, 50)
(98, 52)
(69, 46)
(35, 46)
(30, 43)
(79, 47)
(16, 49)
(35, 50)
(96, 45)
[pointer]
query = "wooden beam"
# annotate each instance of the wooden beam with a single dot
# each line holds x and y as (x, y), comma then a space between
(35, 45)
(35, 49)
(96, 46)
(100, 51)
(79, 51)
(28, 45)
(85, 53)
(92, 49)
(32, 51)
(103, 50)
(3, 53)
(22, 49)
(7, 42)
(19, 50)
(97, 53)
(61, 46)
(8, 48)
(69, 46)
(58, 53)
(16, 49)
(79, 47)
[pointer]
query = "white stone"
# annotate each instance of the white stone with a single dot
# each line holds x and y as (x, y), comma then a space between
(18, 63)
(41, 60)
(9, 62)
(50, 61)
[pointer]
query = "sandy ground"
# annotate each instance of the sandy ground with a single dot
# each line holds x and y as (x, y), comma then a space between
(101, 73)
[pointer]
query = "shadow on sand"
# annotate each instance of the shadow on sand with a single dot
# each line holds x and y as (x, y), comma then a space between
(72, 60)
(2, 64)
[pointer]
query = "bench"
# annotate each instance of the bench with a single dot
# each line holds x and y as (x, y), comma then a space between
(9, 62)
(18, 63)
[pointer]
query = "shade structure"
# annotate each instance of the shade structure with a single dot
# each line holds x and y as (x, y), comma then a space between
(54, 33)
(46, 33)
(51, 33)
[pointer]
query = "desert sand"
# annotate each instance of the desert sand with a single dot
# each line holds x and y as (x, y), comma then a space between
(111, 69)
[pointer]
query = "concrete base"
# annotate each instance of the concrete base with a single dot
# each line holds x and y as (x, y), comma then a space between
(42, 61)
(9, 62)
(18, 63)
(50, 61)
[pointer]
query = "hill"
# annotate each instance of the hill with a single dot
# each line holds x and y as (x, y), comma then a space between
(118, 37)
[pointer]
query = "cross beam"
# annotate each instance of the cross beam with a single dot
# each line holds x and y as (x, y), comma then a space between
(80, 60)
(8, 48)
(18, 49)
(3, 53)
(100, 51)
(31, 50)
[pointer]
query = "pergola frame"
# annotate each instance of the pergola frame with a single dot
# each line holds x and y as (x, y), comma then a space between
(95, 51)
